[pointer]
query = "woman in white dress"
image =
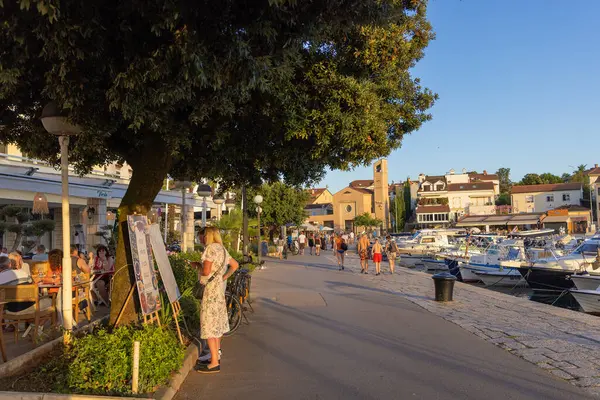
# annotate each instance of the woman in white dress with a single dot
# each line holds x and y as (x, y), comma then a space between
(217, 266)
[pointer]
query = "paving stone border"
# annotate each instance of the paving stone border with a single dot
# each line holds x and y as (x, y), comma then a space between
(563, 342)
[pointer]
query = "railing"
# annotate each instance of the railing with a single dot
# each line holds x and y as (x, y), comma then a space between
(33, 161)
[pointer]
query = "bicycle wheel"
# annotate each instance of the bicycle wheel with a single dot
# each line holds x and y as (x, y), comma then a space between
(234, 313)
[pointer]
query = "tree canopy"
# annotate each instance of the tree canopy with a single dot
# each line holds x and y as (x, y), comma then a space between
(366, 220)
(282, 204)
(234, 91)
(504, 178)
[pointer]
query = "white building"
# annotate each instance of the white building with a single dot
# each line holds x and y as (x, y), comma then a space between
(94, 198)
(594, 175)
(542, 198)
(443, 199)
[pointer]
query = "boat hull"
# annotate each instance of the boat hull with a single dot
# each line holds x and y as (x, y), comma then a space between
(508, 278)
(468, 274)
(589, 300)
(586, 282)
(434, 265)
(410, 260)
(547, 279)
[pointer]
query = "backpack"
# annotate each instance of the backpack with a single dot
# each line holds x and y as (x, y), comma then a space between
(344, 246)
(393, 247)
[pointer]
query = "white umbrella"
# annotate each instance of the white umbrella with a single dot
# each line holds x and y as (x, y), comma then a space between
(326, 228)
(309, 227)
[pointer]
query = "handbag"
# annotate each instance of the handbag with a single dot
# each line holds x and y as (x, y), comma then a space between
(200, 287)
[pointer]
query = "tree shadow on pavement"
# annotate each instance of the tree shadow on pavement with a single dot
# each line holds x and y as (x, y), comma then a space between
(335, 285)
(476, 367)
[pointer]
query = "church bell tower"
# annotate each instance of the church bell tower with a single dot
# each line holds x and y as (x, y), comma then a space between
(380, 187)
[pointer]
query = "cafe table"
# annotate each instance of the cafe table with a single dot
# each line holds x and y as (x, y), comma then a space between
(83, 285)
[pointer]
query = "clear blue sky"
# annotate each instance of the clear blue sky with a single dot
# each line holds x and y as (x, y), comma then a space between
(519, 87)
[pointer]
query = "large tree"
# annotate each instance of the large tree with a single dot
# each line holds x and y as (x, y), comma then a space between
(236, 91)
(398, 210)
(282, 204)
(504, 178)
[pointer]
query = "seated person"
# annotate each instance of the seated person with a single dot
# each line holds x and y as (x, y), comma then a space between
(9, 276)
(40, 254)
(78, 265)
(18, 264)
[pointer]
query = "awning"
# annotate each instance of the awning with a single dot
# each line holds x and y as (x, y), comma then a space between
(499, 220)
(556, 218)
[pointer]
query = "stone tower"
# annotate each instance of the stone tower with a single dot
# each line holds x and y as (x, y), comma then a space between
(381, 195)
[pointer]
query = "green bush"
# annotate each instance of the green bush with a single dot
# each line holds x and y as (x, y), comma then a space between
(100, 363)
(199, 248)
(272, 249)
(186, 276)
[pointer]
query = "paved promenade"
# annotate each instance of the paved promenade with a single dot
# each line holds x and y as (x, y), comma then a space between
(319, 333)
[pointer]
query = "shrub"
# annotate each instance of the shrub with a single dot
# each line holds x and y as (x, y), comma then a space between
(185, 275)
(272, 249)
(100, 363)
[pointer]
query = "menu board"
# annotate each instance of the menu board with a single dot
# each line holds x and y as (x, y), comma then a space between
(164, 266)
(143, 264)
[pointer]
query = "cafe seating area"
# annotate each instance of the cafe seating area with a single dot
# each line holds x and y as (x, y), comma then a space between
(31, 313)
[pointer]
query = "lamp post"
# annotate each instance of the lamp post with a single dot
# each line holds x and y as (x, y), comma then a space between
(219, 202)
(204, 191)
(258, 199)
(57, 124)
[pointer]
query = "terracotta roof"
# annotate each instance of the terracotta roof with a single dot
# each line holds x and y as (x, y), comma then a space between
(572, 207)
(484, 177)
(392, 187)
(433, 209)
(316, 192)
(455, 187)
(364, 183)
(551, 187)
(434, 178)
(593, 171)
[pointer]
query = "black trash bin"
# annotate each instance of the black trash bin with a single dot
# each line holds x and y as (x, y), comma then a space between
(444, 286)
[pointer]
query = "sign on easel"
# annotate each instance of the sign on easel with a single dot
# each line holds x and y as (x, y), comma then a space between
(166, 273)
(143, 265)
(164, 266)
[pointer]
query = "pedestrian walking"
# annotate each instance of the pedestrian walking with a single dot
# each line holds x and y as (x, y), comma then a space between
(289, 242)
(318, 240)
(216, 267)
(302, 242)
(363, 253)
(280, 248)
(341, 247)
(311, 243)
(377, 256)
(352, 237)
(333, 238)
(392, 251)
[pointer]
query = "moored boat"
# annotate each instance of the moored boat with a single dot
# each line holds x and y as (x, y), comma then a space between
(506, 278)
(589, 300)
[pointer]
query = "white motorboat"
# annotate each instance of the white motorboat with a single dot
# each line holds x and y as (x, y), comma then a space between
(434, 262)
(506, 278)
(589, 300)
(423, 243)
(552, 274)
(586, 282)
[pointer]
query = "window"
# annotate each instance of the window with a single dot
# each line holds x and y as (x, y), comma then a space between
(348, 208)
(428, 240)
(378, 168)
(566, 197)
(439, 187)
(550, 198)
(529, 199)
(426, 187)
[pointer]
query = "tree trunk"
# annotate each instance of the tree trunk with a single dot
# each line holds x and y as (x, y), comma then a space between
(150, 167)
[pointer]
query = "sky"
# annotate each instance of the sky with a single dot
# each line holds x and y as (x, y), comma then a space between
(519, 87)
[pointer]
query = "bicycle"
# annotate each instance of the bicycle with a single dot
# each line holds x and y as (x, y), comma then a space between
(237, 296)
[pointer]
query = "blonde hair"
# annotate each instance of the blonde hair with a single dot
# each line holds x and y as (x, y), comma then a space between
(16, 260)
(212, 235)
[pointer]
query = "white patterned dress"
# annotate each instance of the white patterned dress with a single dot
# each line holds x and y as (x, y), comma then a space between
(213, 310)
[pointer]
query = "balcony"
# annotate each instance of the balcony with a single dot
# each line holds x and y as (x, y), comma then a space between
(480, 210)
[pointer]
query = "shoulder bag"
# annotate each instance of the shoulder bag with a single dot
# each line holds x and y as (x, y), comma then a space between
(199, 291)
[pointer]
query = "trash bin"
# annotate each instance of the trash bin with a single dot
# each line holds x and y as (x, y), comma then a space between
(444, 286)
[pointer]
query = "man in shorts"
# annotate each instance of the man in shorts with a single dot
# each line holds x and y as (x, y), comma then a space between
(302, 242)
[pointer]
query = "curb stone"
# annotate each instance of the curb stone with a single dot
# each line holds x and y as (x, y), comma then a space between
(168, 391)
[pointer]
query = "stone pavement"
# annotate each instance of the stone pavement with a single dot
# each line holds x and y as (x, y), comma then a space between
(566, 343)
(319, 333)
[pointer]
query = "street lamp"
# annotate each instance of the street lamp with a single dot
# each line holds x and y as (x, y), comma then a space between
(258, 199)
(219, 202)
(184, 185)
(57, 124)
(204, 191)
